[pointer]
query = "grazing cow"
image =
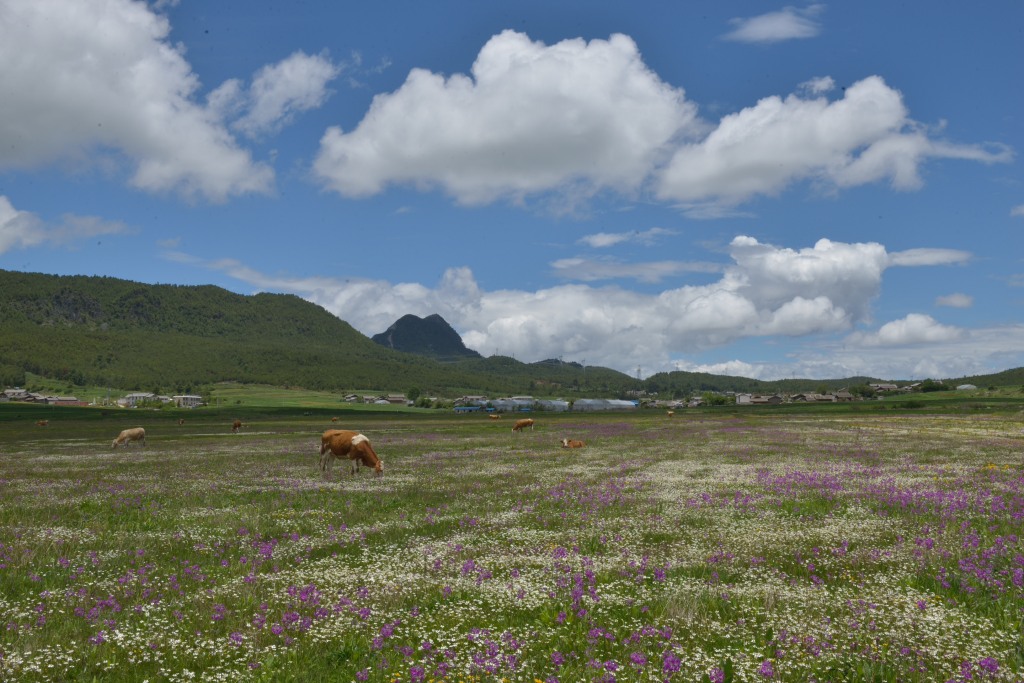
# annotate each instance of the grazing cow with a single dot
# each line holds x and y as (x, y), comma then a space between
(181, 421)
(520, 425)
(42, 423)
(128, 435)
(334, 419)
(670, 413)
(494, 416)
(342, 443)
(235, 426)
(572, 443)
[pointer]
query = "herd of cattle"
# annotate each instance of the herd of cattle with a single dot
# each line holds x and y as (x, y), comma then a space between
(342, 444)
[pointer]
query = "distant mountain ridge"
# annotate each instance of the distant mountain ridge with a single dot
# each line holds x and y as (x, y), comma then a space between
(105, 331)
(431, 336)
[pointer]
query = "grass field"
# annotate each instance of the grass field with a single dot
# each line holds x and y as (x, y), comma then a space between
(733, 545)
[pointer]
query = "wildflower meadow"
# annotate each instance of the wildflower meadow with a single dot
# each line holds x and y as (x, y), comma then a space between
(708, 546)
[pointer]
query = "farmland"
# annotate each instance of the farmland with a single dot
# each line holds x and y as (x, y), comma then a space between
(745, 546)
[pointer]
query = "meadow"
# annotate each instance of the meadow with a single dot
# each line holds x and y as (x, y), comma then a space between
(720, 546)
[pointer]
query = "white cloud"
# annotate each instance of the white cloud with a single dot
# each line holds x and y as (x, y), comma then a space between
(818, 86)
(576, 116)
(89, 80)
(951, 352)
(733, 368)
(281, 90)
(608, 239)
(916, 328)
(786, 24)
(862, 138)
(848, 276)
(1017, 210)
(928, 257)
(568, 120)
(22, 230)
(955, 300)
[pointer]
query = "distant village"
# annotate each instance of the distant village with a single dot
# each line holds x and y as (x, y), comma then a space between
(641, 399)
(637, 400)
(141, 398)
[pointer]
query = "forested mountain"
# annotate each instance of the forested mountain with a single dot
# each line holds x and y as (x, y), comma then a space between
(431, 336)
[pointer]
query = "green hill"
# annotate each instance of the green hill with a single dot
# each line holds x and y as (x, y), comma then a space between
(104, 331)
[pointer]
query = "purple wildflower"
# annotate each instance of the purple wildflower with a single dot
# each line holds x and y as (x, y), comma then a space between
(989, 665)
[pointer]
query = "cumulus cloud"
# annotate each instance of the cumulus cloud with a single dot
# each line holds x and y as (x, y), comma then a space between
(530, 118)
(576, 118)
(278, 92)
(133, 98)
(608, 239)
(915, 328)
(955, 300)
(865, 137)
(834, 279)
(787, 24)
(22, 230)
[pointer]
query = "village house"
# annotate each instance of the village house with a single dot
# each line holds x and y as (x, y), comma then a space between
(187, 400)
(16, 394)
(64, 401)
(812, 397)
(134, 399)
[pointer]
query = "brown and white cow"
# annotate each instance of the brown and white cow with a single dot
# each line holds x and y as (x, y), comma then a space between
(343, 443)
(494, 416)
(670, 413)
(572, 443)
(235, 426)
(520, 425)
(42, 423)
(128, 435)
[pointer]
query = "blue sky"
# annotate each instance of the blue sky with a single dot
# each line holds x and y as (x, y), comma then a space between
(807, 190)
